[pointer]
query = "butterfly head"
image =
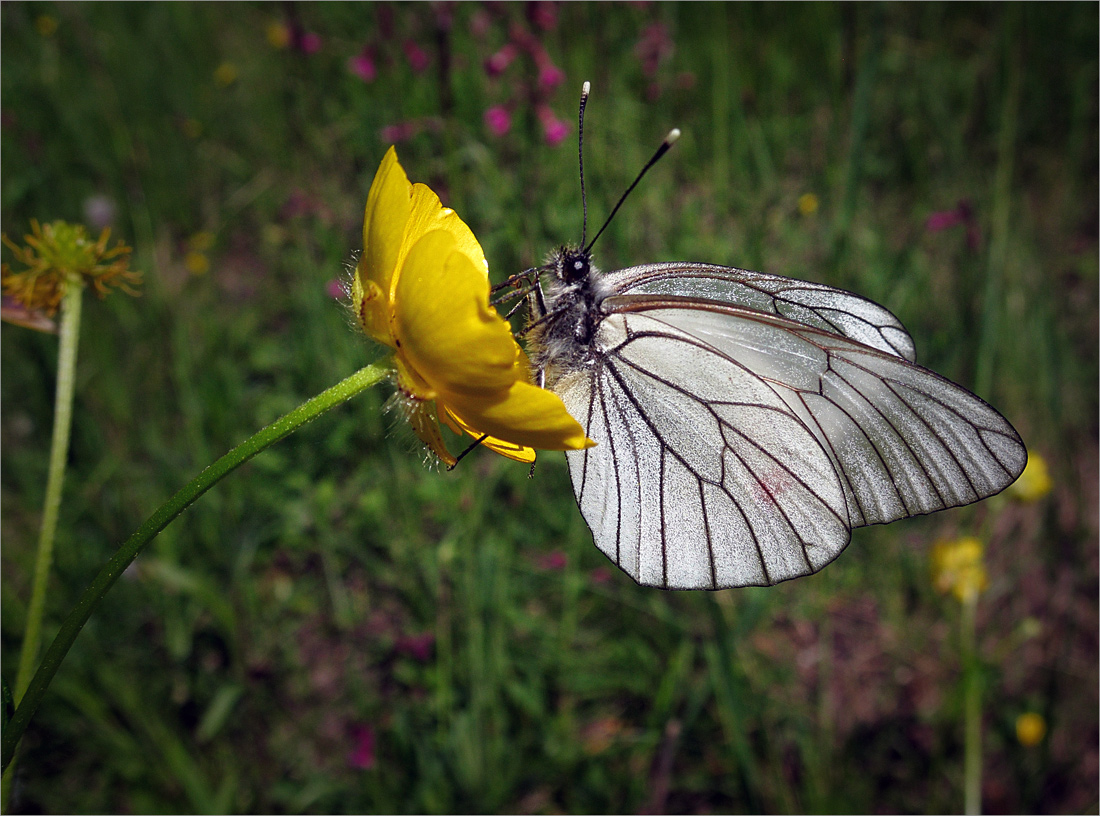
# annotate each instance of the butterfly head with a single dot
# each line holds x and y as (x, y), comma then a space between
(572, 264)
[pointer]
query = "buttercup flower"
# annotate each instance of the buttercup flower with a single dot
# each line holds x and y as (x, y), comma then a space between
(1034, 482)
(1030, 729)
(807, 203)
(958, 568)
(421, 287)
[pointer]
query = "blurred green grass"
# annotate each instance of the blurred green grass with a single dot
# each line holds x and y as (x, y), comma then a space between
(271, 643)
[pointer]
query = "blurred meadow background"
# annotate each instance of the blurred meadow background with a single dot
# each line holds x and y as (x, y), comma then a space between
(337, 628)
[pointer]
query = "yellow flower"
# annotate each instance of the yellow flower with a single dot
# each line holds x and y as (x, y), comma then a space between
(45, 24)
(1034, 482)
(278, 35)
(225, 74)
(807, 203)
(201, 241)
(196, 262)
(421, 287)
(957, 567)
(1030, 729)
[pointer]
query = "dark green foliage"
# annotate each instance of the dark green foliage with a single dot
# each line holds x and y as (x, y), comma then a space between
(338, 629)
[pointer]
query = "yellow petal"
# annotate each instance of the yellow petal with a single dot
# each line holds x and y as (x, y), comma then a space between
(428, 214)
(520, 453)
(389, 205)
(443, 324)
(524, 415)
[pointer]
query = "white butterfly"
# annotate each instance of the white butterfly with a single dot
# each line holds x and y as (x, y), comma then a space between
(745, 423)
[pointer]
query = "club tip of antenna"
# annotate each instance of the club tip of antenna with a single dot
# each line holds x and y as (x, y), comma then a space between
(585, 88)
(672, 136)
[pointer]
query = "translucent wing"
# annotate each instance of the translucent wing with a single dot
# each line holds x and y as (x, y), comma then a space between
(738, 448)
(812, 304)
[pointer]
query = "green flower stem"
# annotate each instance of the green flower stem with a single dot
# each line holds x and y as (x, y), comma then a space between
(59, 454)
(972, 711)
(70, 628)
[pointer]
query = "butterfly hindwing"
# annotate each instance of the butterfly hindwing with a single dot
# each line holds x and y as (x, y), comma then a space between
(704, 477)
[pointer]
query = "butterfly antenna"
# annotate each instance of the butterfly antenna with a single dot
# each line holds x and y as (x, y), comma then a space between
(580, 157)
(669, 141)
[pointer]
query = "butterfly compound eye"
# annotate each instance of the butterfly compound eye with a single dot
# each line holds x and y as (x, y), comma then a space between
(575, 267)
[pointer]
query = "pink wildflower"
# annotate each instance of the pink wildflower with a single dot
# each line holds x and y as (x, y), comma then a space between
(544, 15)
(336, 289)
(550, 76)
(309, 42)
(363, 67)
(418, 647)
(363, 755)
(498, 62)
(418, 58)
(554, 130)
(400, 132)
(555, 561)
(600, 575)
(653, 48)
(963, 215)
(498, 120)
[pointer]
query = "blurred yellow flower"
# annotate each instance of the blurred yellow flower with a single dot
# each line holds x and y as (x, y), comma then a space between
(278, 35)
(958, 568)
(201, 241)
(421, 287)
(1030, 729)
(58, 255)
(807, 203)
(225, 74)
(196, 262)
(1034, 482)
(45, 25)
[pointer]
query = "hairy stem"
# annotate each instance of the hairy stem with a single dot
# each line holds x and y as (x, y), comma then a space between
(55, 480)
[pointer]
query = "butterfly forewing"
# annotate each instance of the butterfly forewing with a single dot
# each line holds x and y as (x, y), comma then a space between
(812, 304)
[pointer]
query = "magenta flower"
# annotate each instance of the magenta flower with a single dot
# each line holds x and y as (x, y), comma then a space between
(400, 132)
(309, 42)
(962, 215)
(944, 219)
(555, 561)
(554, 130)
(600, 575)
(498, 120)
(336, 289)
(418, 58)
(418, 647)
(534, 88)
(498, 62)
(550, 76)
(362, 755)
(363, 67)
(543, 15)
